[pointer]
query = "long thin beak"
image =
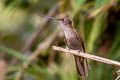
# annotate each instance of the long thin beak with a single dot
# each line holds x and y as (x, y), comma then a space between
(49, 17)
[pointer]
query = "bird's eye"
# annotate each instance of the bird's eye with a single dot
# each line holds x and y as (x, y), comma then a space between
(62, 20)
(70, 22)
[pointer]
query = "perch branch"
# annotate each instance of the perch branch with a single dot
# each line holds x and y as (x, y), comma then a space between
(89, 56)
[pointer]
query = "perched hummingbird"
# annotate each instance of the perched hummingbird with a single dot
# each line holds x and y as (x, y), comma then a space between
(74, 41)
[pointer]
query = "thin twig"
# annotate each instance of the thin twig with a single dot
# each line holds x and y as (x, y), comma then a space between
(102, 8)
(46, 43)
(36, 33)
(89, 56)
(118, 75)
(118, 78)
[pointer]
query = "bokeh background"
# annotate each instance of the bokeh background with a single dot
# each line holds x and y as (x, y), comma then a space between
(26, 39)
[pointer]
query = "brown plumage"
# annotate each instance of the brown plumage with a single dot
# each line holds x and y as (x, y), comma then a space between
(75, 42)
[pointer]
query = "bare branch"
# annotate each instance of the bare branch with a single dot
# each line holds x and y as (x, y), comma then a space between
(89, 56)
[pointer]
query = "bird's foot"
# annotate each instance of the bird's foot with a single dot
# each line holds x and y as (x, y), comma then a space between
(78, 51)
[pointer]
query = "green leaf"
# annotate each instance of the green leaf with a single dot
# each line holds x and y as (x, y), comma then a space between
(116, 44)
(96, 29)
(77, 5)
(13, 53)
(99, 3)
(13, 68)
(39, 72)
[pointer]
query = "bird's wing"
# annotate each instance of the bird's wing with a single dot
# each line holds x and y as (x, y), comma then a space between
(80, 39)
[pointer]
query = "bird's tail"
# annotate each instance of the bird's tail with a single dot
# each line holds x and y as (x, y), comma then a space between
(82, 66)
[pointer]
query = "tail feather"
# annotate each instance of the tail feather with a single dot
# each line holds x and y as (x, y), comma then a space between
(82, 66)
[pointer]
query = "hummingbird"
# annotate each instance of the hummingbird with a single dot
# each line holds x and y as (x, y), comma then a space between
(73, 41)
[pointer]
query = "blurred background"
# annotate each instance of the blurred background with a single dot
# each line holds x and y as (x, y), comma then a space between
(26, 39)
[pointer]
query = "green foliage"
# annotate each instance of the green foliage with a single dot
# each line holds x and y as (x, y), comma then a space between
(13, 53)
(96, 30)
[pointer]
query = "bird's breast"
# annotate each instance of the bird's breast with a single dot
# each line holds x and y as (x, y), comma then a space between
(73, 43)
